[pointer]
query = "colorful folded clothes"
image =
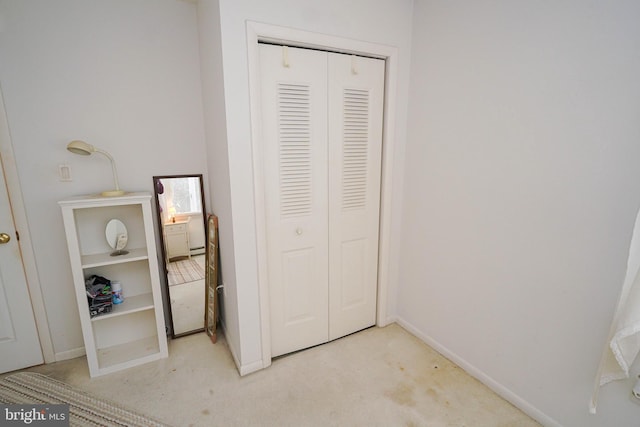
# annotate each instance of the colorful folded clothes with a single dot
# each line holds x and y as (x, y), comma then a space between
(98, 295)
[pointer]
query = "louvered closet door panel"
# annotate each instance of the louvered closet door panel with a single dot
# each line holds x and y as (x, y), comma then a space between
(356, 89)
(294, 118)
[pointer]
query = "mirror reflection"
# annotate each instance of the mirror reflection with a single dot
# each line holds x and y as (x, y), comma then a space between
(116, 234)
(180, 208)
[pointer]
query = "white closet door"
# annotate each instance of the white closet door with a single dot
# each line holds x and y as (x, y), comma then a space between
(19, 342)
(356, 93)
(294, 118)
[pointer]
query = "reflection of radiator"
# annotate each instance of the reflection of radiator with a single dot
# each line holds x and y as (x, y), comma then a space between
(197, 251)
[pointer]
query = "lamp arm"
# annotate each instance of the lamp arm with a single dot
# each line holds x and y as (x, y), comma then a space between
(113, 166)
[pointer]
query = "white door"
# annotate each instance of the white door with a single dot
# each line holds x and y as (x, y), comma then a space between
(322, 174)
(356, 94)
(19, 343)
(294, 100)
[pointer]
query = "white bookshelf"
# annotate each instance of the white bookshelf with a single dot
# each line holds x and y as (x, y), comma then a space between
(133, 333)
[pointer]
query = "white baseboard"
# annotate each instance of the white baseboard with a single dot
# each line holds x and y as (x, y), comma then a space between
(498, 388)
(70, 354)
(230, 345)
(251, 367)
(242, 369)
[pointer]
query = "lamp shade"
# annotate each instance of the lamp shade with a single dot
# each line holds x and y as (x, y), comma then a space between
(81, 147)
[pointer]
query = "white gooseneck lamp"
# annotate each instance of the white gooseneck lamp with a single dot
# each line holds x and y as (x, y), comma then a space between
(84, 149)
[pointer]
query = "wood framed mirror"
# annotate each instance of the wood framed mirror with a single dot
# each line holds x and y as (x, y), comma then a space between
(181, 221)
(211, 278)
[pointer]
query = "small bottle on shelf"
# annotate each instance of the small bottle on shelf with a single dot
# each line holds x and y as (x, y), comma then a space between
(116, 292)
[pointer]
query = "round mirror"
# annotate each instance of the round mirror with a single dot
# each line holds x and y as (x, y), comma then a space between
(116, 234)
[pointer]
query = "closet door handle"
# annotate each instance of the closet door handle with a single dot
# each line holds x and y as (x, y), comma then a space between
(298, 231)
(4, 238)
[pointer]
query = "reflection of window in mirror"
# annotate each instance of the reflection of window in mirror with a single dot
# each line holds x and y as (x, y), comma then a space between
(182, 196)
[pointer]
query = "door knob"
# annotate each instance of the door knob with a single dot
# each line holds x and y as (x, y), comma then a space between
(298, 231)
(4, 238)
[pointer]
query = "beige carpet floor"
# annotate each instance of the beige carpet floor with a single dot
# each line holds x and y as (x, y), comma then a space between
(378, 377)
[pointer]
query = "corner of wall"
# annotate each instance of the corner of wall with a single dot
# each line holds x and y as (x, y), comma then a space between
(245, 369)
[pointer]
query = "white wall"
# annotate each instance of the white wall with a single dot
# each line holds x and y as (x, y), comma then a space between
(123, 75)
(387, 23)
(521, 188)
(213, 93)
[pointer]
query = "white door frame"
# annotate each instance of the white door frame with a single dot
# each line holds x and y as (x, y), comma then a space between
(264, 32)
(26, 248)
